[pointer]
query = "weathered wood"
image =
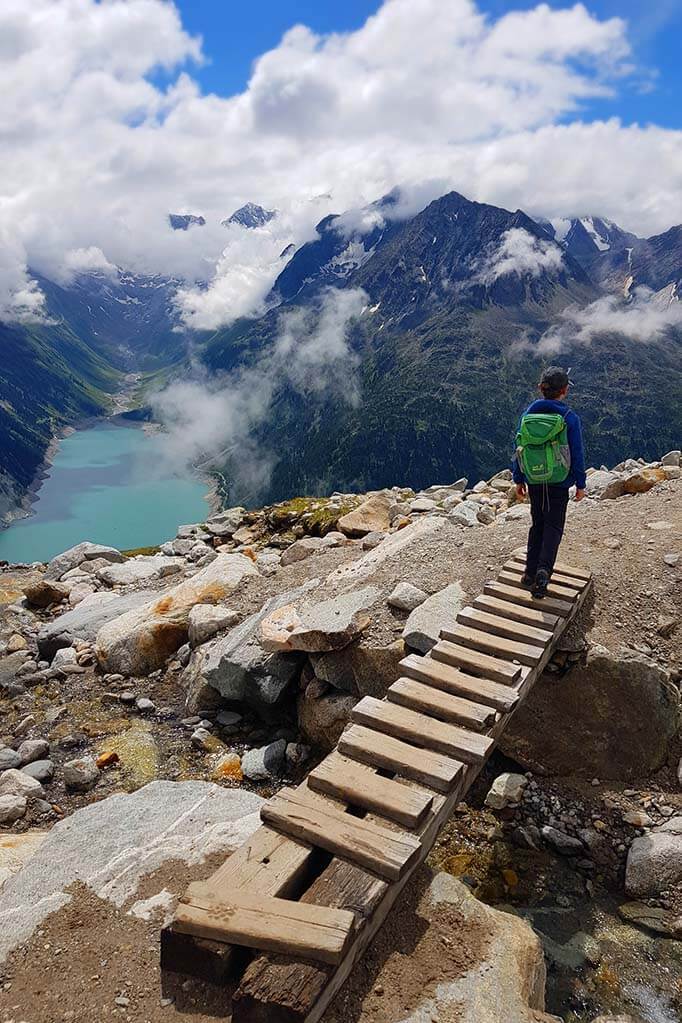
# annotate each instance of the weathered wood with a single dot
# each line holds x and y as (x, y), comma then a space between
(515, 612)
(551, 605)
(359, 785)
(496, 646)
(384, 751)
(429, 700)
(452, 680)
(266, 923)
(388, 853)
(494, 668)
(560, 566)
(496, 625)
(421, 730)
(569, 581)
(553, 590)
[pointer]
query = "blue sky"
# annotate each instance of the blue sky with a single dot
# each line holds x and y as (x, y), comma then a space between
(235, 34)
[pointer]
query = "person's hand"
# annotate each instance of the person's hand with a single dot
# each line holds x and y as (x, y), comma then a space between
(521, 491)
(579, 494)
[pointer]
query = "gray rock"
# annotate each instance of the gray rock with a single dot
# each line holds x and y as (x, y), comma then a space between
(236, 666)
(75, 556)
(41, 770)
(465, 514)
(16, 783)
(372, 516)
(673, 458)
(654, 860)
(506, 790)
(12, 808)
(302, 549)
(226, 523)
(202, 739)
(79, 592)
(266, 763)
(559, 840)
(486, 514)
(9, 758)
(145, 705)
(437, 612)
(206, 620)
(460, 484)
(423, 504)
(372, 540)
(65, 655)
(406, 597)
(33, 749)
(81, 774)
(141, 569)
(85, 620)
(228, 718)
(516, 513)
(334, 623)
(113, 844)
(322, 717)
(297, 754)
(604, 485)
(268, 562)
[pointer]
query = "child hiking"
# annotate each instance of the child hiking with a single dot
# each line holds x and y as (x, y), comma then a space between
(549, 460)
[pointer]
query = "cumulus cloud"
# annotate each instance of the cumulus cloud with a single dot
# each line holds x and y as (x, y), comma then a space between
(210, 421)
(520, 252)
(645, 317)
(96, 152)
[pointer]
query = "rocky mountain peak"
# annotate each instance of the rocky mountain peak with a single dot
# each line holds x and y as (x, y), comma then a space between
(251, 215)
(183, 221)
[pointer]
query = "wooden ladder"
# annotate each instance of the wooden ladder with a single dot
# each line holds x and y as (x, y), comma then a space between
(311, 887)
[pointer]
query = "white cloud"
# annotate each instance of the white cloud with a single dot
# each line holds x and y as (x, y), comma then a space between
(207, 420)
(96, 153)
(520, 252)
(645, 317)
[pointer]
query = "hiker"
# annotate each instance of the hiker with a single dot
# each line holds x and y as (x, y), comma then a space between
(549, 460)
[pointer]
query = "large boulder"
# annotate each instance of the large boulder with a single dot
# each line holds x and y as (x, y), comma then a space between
(323, 716)
(140, 570)
(141, 640)
(642, 480)
(363, 667)
(439, 611)
(75, 556)
(654, 861)
(112, 845)
(464, 962)
(393, 548)
(372, 516)
(334, 623)
(604, 485)
(238, 669)
(85, 620)
(619, 709)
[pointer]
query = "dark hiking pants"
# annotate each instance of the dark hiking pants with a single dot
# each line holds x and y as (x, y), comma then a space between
(548, 513)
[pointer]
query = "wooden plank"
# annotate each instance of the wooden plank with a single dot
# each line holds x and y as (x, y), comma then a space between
(384, 751)
(496, 625)
(515, 612)
(425, 698)
(421, 730)
(562, 608)
(553, 590)
(269, 924)
(452, 680)
(359, 785)
(570, 582)
(387, 853)
(560, 566)
(489, 667)
(497, 646)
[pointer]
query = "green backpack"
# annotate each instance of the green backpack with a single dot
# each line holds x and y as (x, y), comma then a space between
(542, 447)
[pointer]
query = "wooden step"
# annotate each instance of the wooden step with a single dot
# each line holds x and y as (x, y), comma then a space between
(488, 667)
(496, 625)
(409, 693)
(560, 566)
(388, 853)
(523, 597)
(421, 730)
(451, 680)
(515, 612)
(567, 581)
(496, 646)
(359, 785)
(266, 923)
(553, 590)
(384, 751)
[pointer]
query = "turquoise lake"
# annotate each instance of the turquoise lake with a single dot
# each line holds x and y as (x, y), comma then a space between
(109, 484)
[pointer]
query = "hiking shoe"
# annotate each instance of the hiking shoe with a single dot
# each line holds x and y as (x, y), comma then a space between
(540, 584)
(527, 580)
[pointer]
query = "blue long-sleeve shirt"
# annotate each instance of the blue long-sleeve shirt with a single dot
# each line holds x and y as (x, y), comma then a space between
(576, 476)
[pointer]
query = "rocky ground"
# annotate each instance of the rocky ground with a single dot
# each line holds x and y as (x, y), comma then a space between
(235, 652)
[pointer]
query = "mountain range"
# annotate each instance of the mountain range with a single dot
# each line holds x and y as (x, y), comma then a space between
(461, 304)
